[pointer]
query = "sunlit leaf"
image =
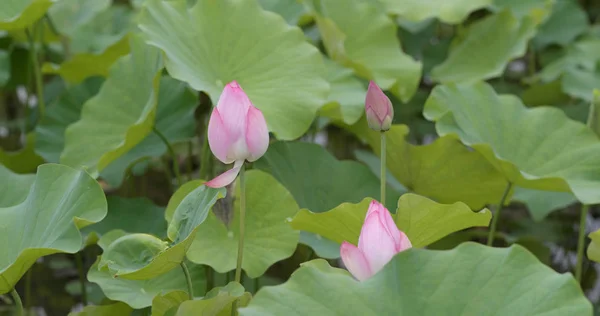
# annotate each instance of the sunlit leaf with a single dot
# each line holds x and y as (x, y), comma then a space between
(61, 201)
(268, 236)
(24, 160)
(174, 119)
(14, 188)
(359, 35)
(492, 281)
(541, 203)
(448, 11)
(116, 309)
(19, 14)
(66, 110)
(121, 115)
(444, 170)
(217, 302)
(143, 256)
(521, 8)
(537, 148)
(215, 42)
(486, 48)
(423, 220)
(346, 101)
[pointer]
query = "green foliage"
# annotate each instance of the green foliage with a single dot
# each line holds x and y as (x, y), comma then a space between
(418, 281)
(61, 201)
(116, 309)
(15, 187)
(448, 11)
(281, 73)
(19, 14)
(216, 302)
(268, 235)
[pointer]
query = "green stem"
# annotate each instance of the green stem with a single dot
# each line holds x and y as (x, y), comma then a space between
(492, 233)
(188, 279)
(210, 278)
(238, 268)
(383, 168)
(581, 242)
(171, 153)
(33, 56)
(18, 303)
(79, 263)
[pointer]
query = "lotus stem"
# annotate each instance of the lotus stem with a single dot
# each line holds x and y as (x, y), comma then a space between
(383, 167)
(581, 242)
(171, 153)
(188, 279)
(18, 303)
(238, 268)
(492, 233)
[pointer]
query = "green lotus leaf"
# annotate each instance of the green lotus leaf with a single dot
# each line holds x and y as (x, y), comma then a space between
(444, 170)
(116, 309)
(133, 215)
(140, 293)
(130, 93)
(217, 302)
(567, 21)
(486, 48)
(359, 35)
(143, 256)
(448, 11)
(25, 160)
(537, 148)
(317, 180)
(541, 203)
(66, 110)
(14, 188)
(593, 251)
(346, 101)
(179, 195)
(292, 11)
(423, 220)
(268, 236)
(84, 65)
(521, 8)
(19, 14)
(68, 15)
(493, 281)
(61, 201)
(167, 304)
(215, 42)
(104, 30)
(174, 119)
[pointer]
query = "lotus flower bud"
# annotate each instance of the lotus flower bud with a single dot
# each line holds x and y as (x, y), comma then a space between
(379, 240)
(378, 108)
(237, 131)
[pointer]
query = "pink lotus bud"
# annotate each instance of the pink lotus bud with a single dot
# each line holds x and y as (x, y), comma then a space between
(237, 131)
(379, 109)
(380, 239)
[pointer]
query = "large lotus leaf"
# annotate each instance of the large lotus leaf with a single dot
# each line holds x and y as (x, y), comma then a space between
(14, 188)
(84, 65)
(486, 48)
(215, 42)
(448, 11)
(174, 119)
(217, 302)
(292, 11)
(50, 131)
(359, 35)
(346, 99)
(522, 8)
(62, 200)
(116, 309)
(24, 160)
(423, 220)
(143, 256)
(68, 15)
(121, 115)
(104, 30)
(444, 170)
(317, 180)
(167, 304)
(541, 203)
(133, 215)
(537, 148)
(567, 21)
(139, 293)
(492, 281)
(19, 14)
(268, 236)
(593, 251)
